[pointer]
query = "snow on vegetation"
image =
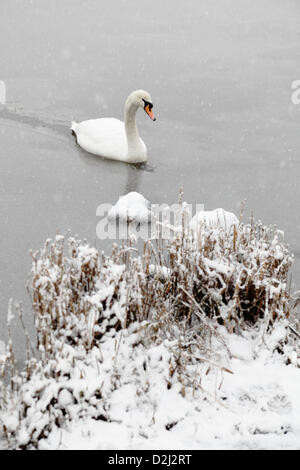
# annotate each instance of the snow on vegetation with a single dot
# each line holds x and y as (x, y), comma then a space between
(131, 207)
(189, 345)
(216, 218)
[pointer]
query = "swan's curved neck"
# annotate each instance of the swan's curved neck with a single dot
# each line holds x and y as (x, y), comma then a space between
(135, 146)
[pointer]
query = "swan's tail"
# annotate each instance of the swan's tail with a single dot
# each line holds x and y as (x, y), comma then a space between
(73, 126)
(73, 129)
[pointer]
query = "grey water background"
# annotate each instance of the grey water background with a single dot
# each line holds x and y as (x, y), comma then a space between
(219, 73)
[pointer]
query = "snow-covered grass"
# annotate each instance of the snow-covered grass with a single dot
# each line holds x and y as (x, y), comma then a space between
(188, 345)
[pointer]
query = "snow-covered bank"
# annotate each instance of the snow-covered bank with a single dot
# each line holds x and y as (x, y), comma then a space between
(121, 398)
(186, 346)
(256, 408)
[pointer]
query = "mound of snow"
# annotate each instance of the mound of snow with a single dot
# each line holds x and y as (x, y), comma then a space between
(131, 207)
(215, 218)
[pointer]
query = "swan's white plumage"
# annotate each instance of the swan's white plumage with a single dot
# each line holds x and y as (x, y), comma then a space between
(105, 137)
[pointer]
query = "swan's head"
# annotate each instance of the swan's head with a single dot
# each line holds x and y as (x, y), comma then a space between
(142, 99)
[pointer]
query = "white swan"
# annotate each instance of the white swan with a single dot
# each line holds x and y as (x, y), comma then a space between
(114, 139)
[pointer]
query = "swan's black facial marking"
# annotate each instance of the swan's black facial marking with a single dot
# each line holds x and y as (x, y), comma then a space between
(147, 103)
(148, 109)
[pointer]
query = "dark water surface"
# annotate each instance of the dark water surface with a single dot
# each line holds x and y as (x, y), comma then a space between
(220, 74)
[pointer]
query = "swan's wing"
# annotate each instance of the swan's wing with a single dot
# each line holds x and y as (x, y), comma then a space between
(105, 137)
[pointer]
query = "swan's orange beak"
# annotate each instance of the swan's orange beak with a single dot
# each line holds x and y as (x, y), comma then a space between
(149, 112)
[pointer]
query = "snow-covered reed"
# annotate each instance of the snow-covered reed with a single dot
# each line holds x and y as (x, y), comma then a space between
(102, 322)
